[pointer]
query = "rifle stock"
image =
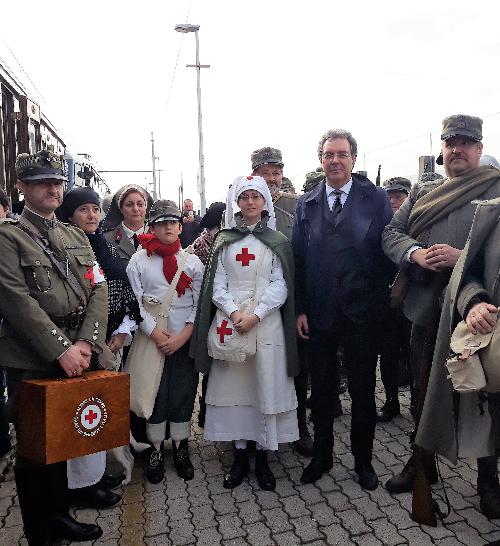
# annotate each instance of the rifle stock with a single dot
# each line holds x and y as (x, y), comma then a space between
(423, 508)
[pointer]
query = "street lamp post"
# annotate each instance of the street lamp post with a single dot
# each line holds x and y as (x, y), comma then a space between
(194, 28)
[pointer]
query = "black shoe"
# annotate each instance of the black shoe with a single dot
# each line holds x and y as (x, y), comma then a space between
(315, 469)
(93, 497)
(403, 482)
(366, 476)
(264, 474)
(239, 469)
(155, 469)
(488, 487)
(304, 445)
(182, 462)
(388, 411)
(490, 503)
(111, 482)
(64, 526)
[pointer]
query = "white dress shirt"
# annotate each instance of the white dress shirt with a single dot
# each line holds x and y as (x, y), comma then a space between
(345, 189)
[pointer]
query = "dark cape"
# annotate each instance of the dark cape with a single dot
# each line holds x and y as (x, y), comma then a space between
(279, 244)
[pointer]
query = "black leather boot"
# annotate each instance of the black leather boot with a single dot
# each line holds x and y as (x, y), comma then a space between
(93, 497)
(488, 487)
(64, 526)
(264, 474)
(182, 462)
(34, 509)
(389, 410)
(239, 469)
(155, 466)
(403, 482)
(108, 481)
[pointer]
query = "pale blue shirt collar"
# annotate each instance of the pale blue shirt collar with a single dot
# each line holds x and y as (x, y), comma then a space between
(345, 189)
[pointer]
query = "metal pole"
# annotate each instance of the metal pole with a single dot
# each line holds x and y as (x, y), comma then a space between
(155, 196)
(203, 203)
(159, 178)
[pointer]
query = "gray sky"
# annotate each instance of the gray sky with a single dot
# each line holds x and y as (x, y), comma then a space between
(281, 74)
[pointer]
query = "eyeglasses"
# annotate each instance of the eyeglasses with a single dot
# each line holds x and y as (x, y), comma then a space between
(331, 155)
(253, 197)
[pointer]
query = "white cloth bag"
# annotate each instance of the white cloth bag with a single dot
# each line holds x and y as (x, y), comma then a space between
(145, 361)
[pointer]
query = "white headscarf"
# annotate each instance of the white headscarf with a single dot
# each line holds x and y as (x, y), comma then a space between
(244, 183)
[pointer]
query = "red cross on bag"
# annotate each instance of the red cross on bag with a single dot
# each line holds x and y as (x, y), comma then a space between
(245, 258)
(90, 417)
(223, 330)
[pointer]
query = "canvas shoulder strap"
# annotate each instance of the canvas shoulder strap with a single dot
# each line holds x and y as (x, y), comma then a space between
(63, 270)
(169, 298)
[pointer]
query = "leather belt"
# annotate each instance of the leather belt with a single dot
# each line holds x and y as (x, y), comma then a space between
(71, 320)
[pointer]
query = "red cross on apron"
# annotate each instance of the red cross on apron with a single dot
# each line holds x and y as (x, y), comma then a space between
(245, 258)
(223, 330)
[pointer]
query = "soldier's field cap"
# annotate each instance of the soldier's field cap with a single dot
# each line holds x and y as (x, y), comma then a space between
(398, 183)
(266, 156)
(462, 125)
(43, 165)
(164, 210)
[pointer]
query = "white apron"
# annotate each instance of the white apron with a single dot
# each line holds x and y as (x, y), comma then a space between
(255, 399)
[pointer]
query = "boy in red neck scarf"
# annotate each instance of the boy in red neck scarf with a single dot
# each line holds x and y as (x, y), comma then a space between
(152, 272)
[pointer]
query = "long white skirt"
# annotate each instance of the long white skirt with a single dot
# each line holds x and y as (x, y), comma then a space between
(227, 423)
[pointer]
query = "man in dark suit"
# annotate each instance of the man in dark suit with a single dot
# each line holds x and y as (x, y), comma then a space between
(341, 283)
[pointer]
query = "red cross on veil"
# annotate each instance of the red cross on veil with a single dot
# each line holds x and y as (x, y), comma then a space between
(223, 330)
(245, 258)
(91, 416)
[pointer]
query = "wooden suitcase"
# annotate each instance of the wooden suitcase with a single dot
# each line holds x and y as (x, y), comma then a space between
(60, 419)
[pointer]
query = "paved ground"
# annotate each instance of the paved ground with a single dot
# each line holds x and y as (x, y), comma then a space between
(333, 511)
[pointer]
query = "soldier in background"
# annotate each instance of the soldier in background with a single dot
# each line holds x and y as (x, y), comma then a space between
(54, 317)
(268, 163)
(395, 335)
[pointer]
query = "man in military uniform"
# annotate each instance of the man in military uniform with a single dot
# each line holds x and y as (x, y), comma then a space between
(394, 337)
(54, 316)
(425, 238)
(268, 163)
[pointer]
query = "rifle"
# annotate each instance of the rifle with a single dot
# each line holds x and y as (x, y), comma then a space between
(424, 508)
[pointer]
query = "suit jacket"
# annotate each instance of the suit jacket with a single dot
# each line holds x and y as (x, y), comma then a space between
(368, 212)
(452, 230)
(118, 238)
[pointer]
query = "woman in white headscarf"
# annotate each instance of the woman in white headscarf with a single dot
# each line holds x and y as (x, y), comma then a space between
(254, 399)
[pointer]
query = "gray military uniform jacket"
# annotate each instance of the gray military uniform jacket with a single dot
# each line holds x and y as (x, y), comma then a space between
(34, 295)
(437, 429)
(284, 208)
(119, 239)
(452, 230)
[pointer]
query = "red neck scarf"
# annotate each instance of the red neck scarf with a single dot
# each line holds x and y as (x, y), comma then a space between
(153, 245)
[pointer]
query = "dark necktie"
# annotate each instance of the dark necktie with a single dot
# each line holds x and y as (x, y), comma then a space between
(135, 240)
(337, 205)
